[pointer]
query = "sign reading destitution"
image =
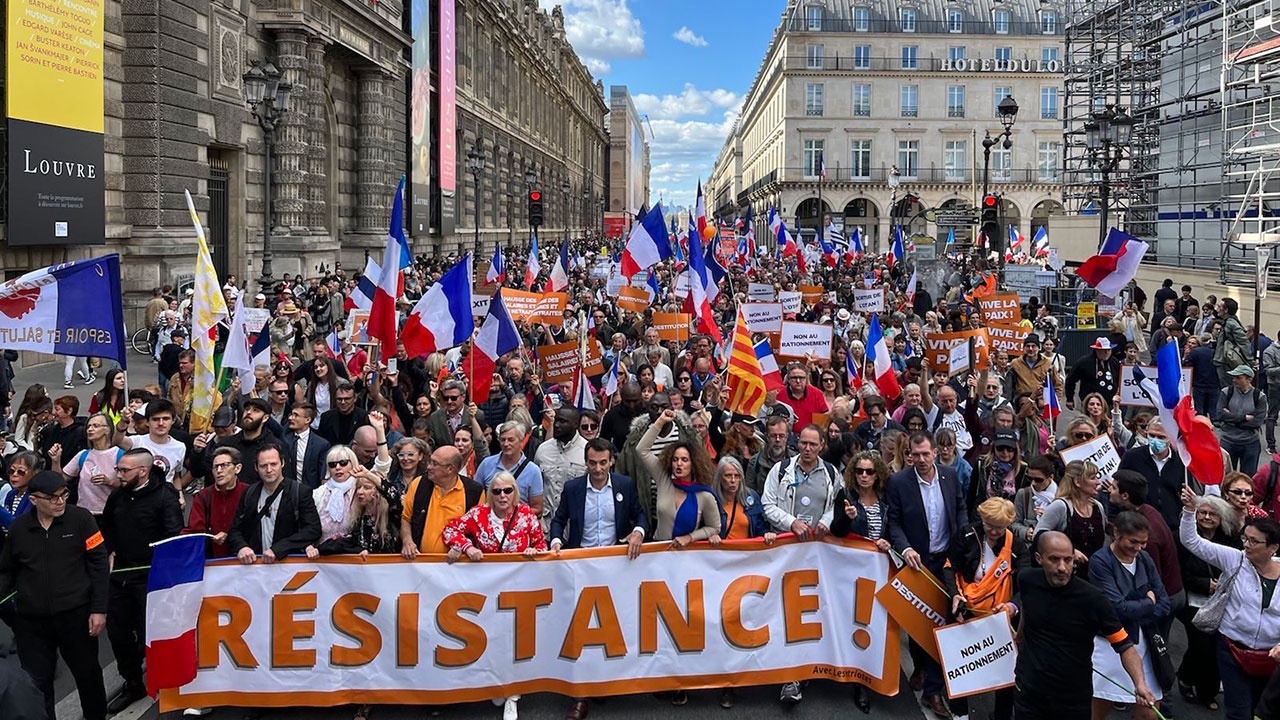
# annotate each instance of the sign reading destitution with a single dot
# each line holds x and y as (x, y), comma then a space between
(633, 299)
(805, 339)
(54, 86)
(672, 326)
(559, 363)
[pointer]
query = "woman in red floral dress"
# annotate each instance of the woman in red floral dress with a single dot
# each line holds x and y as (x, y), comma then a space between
(503, 525)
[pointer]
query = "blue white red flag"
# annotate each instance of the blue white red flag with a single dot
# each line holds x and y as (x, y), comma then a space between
(1052, 408)
(878, 353)
(382, 315)
(851, 373)
(245, 348)
(442, 317)
(175, 588)
(1115, 265)
(768, 366)
(532, 267)
(361, 297)
(647, 244)
(497, 268)
(899, 250)
(698, 301)
(611, 380)
(1192, 435)
(558, 281)
(497, 337)
(1040, 243)
(70, 309)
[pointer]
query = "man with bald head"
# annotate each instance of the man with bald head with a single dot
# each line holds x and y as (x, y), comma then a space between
(616, 424)
(1061, 614)
(427, 509)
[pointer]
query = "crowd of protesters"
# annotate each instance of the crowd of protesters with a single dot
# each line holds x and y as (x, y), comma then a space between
(323, 452)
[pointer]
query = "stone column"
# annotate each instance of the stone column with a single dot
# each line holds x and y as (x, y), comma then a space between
(371, 182)
(317, 132)
(290, 176)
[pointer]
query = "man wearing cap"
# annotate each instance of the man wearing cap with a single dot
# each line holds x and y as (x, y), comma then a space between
(254, 435)
(56, 561)
(1029, 373)
(1095, 373)
(1241, 411)
(260, 301)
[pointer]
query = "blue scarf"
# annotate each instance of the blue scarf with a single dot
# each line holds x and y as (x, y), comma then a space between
(687, 516)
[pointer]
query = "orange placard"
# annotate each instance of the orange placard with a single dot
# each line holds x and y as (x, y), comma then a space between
(914, 601)
(1008, 338)
(559, 363)
(1002, 308)
(811, 294)
(672, 326)
(938, 347)
(535, 307)
(633, 299)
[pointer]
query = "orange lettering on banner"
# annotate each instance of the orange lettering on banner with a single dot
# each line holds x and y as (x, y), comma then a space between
(594, 601)
(633, 299)
(286, 629)
(672, 326)
(211, 634)
(346, 621)
(688, 633)
(914, 601)
(407, 630)
(449, 621)
(1003, 308)
(735, 632)
(811, 294)
(795, 605)
(525, 604)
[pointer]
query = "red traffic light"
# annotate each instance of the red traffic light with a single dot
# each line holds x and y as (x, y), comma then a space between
(535, 195)
(988, 201)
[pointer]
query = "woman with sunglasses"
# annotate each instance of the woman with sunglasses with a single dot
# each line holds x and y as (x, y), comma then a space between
(1078, 513)
(501, 525)
(999, 473)
(336, 496)
(830, 386)
(411, 456)
(684, 387)
(1138, 425)
(1249, 626)
(14, 499)
(373, 526)
(1237, 489)
(861, 510)
(589, 424)
(1080, 430)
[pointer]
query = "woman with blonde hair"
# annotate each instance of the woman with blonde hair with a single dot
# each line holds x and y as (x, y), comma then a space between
(374, 526)
(1078, 513)
(336, 496)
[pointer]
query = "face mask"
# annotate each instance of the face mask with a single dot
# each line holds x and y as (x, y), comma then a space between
(1157, 445)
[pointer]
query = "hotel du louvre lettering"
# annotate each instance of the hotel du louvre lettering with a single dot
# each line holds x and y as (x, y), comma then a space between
(1026, 65)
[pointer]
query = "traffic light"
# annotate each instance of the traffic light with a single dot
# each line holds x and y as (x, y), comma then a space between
(991, 223)
(535, 208)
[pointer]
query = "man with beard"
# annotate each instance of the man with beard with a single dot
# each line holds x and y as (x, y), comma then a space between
(560, 460)
(251, 439)
(142, 511)
(616, 424)
(1029, 373)
(777, 432)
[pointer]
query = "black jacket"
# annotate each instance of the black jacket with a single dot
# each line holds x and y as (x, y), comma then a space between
(1085, 375)
(72, 438)
(133, 519)
(202, 462)
(1164, 487)
(55, 570)
(906, 525)
(297, 522)
(340, 429)
(313, 468)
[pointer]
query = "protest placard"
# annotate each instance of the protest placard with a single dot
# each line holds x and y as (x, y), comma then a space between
(811, 294)
(255, 319)
(535, 307)
(1100, 451)
(1008, 338)
(868, 301)
(1131, 392)
(913, 599)
(672, 326)
(614, 284)
(633, 298)
(762, 317)
(958, 359)
(682, 285)
(791, 301)
(559, 363)
(761, 292)
(1087, 316)
(938, 348)
(480, 305)
(1002, 308)
(977, 656)
(358, 328)
(802, 339)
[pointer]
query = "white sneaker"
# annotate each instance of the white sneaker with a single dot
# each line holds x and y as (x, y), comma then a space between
(196, 712)
(509, 711)
(68, 385)
(83, 375)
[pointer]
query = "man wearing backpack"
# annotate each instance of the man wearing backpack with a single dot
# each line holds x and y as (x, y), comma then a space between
(799, 497)
(276, 516)
(1241, 410)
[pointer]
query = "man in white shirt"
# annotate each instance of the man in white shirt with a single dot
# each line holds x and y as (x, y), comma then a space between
(560, 459)
(169, 454)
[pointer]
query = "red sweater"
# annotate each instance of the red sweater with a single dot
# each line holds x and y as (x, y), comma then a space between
(213, 512)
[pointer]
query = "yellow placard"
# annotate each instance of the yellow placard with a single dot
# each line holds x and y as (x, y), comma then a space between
(54, 63)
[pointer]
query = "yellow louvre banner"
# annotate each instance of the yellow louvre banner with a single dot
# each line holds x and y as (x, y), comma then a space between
(54, 62)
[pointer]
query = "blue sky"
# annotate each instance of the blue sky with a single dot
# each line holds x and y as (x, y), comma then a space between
(687, 64)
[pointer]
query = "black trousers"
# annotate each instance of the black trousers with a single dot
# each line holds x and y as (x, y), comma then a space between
(127, 627)
(42, 637)
(1034, 706)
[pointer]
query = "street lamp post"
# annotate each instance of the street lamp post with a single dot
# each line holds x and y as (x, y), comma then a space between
(475, 163)
(1105, 135)
(567, 189)
(530, 179)
(895, 179)
(268, 100)
(1007, 110)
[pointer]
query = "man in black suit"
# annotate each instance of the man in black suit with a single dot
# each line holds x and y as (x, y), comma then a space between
(276, 517)
(600, 508)
(926, 515)
(304, 450)
(338, 424)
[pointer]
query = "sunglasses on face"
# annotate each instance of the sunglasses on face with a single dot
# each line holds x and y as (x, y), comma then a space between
(56, 498)
(338, 463)
(1082, 436)
(864, 471)
(452, 398)
(588, 426)
(1241, 492)
(502, 490)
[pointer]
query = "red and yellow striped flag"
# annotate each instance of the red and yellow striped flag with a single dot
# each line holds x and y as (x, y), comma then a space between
(746, 381)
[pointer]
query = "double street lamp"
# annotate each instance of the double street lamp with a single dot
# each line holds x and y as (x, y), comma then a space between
(475, 164)
(1105, 136)
(268, 99)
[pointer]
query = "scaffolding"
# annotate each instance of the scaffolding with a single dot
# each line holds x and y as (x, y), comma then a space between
(1250, 127)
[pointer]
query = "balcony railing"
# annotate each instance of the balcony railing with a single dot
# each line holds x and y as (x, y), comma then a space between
(878, 175)
(920, 27)
(910, 111)
(863, 63)
(955, 112)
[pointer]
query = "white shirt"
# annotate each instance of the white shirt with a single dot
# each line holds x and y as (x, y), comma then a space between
(935, 508)
(268, 521)
(598, 522)
(168, 455)
(300, 449)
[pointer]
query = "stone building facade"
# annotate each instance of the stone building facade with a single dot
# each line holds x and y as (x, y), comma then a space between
(628, 154)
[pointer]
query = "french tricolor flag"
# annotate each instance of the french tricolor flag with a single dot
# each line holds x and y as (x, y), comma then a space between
(1052, 408)
(497, 269)
(442, 318)
(558, 281)
(878, 352)
(532, 267)
(382, 315)
(899, 249)
(1115, 265)
(648, 243)
(768, 366)
(497, 337)
(611, 380)
(361, 296)
(175, 589)
(332, 345)
(852, 375)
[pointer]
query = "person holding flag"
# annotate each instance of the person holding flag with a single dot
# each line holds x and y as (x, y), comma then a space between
(208, 311)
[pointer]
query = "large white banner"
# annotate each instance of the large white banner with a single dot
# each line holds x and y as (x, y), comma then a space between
(591, 623)
(1131, 392)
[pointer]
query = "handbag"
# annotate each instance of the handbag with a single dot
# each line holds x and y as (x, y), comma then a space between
(1161, 660)
(1209, 616)
(1254, 663)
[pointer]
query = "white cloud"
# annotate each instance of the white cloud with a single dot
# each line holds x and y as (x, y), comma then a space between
(691, 102)
(681, 153)
(602, 30)
(687, 36)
